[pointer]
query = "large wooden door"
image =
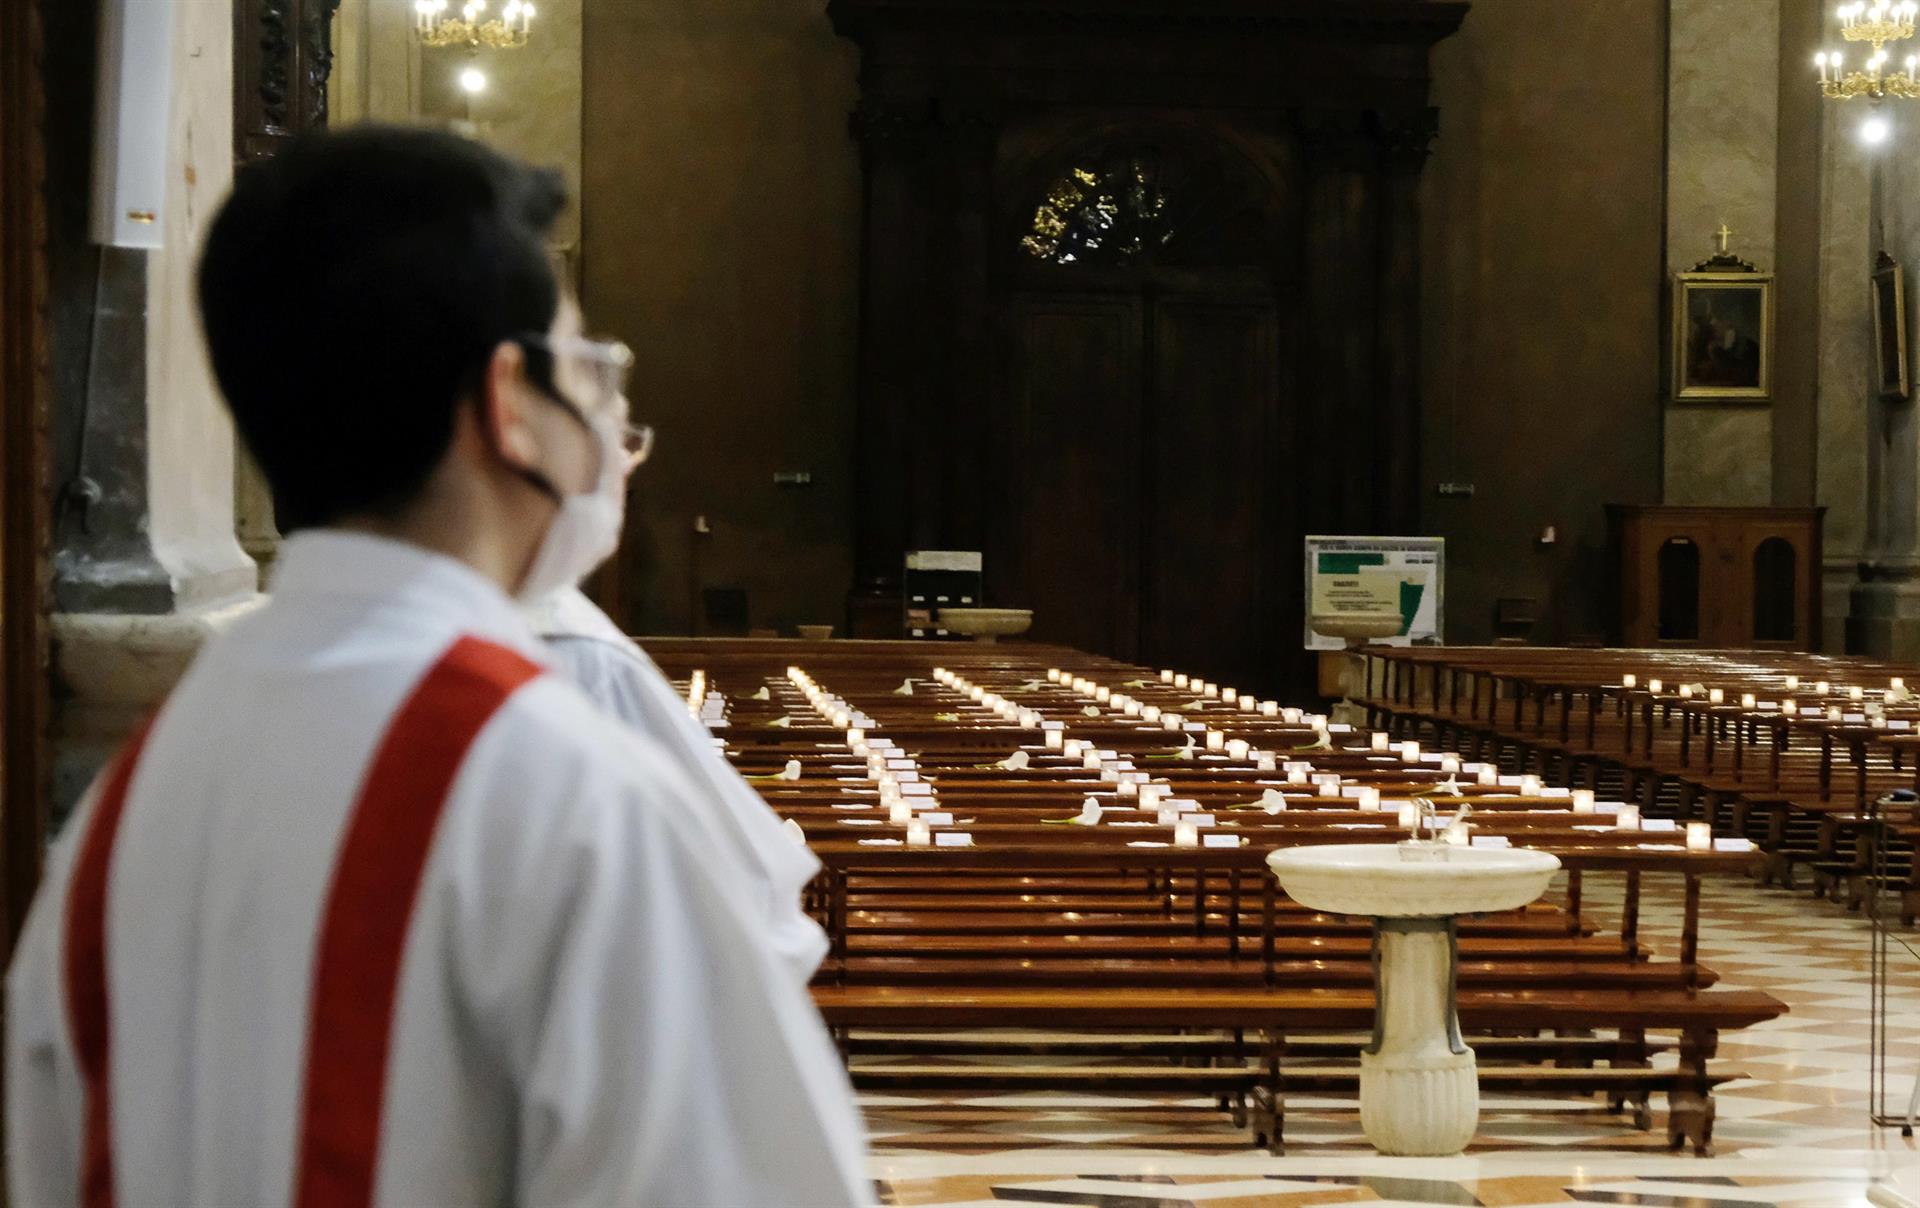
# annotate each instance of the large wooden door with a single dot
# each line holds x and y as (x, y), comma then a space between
(1151, 515)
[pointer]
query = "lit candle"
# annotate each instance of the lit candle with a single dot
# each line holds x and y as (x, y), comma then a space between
(1583, 801)
(1053, 675)
(1370, 799)
(1654, 686)
(1898, 684)
(1237, 749)
(919, 834)
(1822, 687)
(1686, 691)
(1628, 818)
(1179, 681)
(1716, 696)
(1054, 739)
(1128, 789)
(1409, 816)
(1265, 762)
(1297, 776)
(1229, 695)
(1699, 836)
(1210, 689)
(1166, 677)
(1216, 741)
(1131, 708)
(1248, 704)
(1090, 760)
(1072, 747)
(1629, 681)
(1489, 775)
(1833, 712)
(1103, 695)
(1409, 752)
(1290, 716)
(1171, 721)
(1150, 714)
(1449, 765)
(1789, 707)
(1186, 834)
(1856, 693)
(1793, 682)
(1169, 816)
(1747, 700)
(1530, 786)
(1379, 740)
(1269, 708)
(899, 813)
(1150, 794)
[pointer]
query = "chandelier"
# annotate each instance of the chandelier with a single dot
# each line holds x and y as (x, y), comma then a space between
(1877, 23)
(473, 28)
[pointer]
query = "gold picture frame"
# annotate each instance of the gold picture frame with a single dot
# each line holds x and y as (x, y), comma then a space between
(1723, 333)
(1891, 366)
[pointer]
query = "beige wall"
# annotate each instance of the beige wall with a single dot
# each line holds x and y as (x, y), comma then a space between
(190, 443)
(1543, 276)
(721, 240)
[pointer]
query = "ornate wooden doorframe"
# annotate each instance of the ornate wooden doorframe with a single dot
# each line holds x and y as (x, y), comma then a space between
(1337, 90)
(24, 499)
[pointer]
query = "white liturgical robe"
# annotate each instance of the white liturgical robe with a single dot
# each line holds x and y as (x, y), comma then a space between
(585, 645)
(382, 911)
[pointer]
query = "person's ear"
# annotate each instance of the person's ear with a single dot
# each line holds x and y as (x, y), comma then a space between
(504, 401)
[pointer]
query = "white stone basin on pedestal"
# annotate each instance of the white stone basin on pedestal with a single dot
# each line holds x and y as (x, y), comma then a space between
(1419, 1086)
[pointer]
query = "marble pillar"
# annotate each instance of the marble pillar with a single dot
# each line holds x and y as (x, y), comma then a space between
(1722, 145)
(146, 562)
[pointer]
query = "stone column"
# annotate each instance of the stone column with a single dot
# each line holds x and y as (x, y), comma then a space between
(145, 562)
(1722, 144)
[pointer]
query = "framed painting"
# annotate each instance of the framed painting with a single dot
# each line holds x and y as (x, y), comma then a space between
(1723, 337)
(1890, 328)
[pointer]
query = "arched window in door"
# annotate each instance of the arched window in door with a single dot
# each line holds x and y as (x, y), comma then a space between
(1679, 569)
(1141, 200)
(1775, 567)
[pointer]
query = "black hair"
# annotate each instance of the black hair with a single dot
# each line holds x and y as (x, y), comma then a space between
(353, 289)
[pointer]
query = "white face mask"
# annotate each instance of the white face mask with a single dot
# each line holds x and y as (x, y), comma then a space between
(586, 530)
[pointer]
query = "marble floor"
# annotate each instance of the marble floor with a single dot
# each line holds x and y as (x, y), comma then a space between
(1794, 1131)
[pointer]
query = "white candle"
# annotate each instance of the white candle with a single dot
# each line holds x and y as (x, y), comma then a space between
(1150, 794)
(1269, 708)
(1150, 714)
(1379, 740)
(1168, 815)
(1856, 693)
(1053, 675)
(1583, 801)
(1793, 681)
(1716, 696)
(1748, 701)
(1186, 834)
(1265, 762)
(1166, 676)
(1237, 749)
(1131, 708)
(1822, 687)
(1409, 752)
(1628, 818)
(1210, 689)
(1054, 739)
(1629, 681)
(1296, 777)
(1090, 760)
(856, 737)
(1290, 716)
(1789, 707)
(1370, 799)
(1072, 747)
(1449, 765)
(1699, 836)
(1654, 686)
(919, 834)
(1248, 704)
(1530, 786)
(1232, 696)
(1489, 775)
(1171, 721)
(1128, 789)
(1833, 713)
(1686, 691)
(1216, 741)
(1103, 695)
(1179, 681)
(1409, 816)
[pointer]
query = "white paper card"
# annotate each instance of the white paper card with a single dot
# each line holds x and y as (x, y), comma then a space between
(1733, 845)
(1659, 824)
(953, 839)
(937, 819)
(1492, 841)
(1220, 840)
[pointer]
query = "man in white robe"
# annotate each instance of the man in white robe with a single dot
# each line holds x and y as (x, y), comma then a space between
(379, 909)
(615, 673)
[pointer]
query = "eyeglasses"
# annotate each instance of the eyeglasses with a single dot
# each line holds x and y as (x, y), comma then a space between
(605, 366)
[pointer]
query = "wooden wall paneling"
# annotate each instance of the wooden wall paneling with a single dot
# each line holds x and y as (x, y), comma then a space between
(282, 56)
(25, 757)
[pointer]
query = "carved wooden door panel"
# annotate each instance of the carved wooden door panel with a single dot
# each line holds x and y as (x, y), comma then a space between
(282, 56)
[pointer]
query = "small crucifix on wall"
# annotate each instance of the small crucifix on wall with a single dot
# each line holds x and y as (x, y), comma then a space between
(1724, 234)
